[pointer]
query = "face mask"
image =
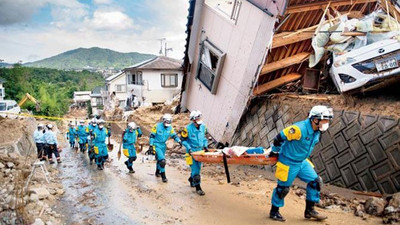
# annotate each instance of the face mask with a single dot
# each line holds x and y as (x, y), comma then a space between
(100, 126)
(199, 121)
(167, 124)
(324, 127)
(94, 124)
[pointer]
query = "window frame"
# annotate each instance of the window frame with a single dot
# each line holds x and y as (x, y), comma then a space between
(206, 44)
(99, 101)
(136, 78)
(123, 88)
(170, 75)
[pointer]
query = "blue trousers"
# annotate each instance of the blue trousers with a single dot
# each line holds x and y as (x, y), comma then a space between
(91, 153)
(160, 155)
(131, 154)
(195, 170)
(102, 154)
(305, 172)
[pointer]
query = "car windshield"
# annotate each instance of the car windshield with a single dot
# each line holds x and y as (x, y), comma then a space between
(2, 106)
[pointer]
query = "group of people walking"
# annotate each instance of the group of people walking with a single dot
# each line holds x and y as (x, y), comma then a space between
(91, 138)
(293, 146)
(193, 138)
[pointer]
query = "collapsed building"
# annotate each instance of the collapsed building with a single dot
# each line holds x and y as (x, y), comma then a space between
(250, 67)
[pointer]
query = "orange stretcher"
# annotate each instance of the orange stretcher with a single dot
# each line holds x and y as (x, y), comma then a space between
(246, 159)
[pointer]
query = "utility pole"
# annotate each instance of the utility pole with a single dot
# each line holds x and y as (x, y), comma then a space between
(161, 45)
(167, 49)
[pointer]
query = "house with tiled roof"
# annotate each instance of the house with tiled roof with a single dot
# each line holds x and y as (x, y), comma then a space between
(153, 81)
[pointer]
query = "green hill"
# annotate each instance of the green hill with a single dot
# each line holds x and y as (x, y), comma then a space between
(53, 88)
(91, 58)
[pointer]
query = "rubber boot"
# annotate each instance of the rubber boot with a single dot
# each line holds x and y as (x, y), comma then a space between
(199, 191)
(275, 215)
(126, 164)
(131, 169)
(99, 167)
(191, 182)
(157, 173)
(164, 178)
(311, 213)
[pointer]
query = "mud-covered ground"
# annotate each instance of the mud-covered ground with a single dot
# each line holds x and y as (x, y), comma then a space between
(114, 196)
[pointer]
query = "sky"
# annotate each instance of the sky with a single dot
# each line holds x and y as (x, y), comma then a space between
(31, 30)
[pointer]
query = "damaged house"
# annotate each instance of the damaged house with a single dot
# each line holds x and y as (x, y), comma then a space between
(241, 53)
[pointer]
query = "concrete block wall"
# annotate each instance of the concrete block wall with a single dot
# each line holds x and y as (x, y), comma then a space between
(358, 151)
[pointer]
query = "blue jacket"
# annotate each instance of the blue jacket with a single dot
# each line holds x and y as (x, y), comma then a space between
(160, 134)
(194, 138)
(39, 137)
(82, 131)
(71, 133)
(100, 135)
(50, 137)
(298, 142)
(91, 127)
(130, 137)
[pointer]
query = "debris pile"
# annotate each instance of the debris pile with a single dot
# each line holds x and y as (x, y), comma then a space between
(19, 205)
(389, 210)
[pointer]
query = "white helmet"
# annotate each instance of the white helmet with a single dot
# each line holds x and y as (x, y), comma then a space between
(321, 112)
(94, 120)
(50, 126)
(195, 115)
(100, 121)
(132, 125)
(167, 118)
(41, 125)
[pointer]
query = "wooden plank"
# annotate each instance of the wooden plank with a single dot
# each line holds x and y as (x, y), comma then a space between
(292, 60)
(353, 33)
(276, 83)
(322, 5)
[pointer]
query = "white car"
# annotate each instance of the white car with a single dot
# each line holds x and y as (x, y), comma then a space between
(8, 108)
(367, 66)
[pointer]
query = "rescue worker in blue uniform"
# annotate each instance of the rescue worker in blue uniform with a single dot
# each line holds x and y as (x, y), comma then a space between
(130, 137)
(71, 135)
(38, 136)
(194, 139)
(51, 142)
(92, 126)
(160, 133)
(83, 133)
(293, 145)
(100, 134)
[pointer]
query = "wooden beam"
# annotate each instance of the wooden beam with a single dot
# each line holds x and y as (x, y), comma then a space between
(276, 83)
(281, 40)
(322, 5)
(292, 60)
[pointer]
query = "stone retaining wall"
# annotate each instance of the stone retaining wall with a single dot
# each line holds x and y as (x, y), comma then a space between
(358, 151)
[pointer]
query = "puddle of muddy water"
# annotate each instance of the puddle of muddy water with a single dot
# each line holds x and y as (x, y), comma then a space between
(91, 196)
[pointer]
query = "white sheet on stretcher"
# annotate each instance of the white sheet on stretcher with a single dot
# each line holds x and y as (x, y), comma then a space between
(235, 151)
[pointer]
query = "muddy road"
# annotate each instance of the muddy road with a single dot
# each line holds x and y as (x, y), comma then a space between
(114, 196)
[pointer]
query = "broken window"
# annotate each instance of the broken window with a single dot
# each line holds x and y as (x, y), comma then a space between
(169, 80)
(210, 65)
